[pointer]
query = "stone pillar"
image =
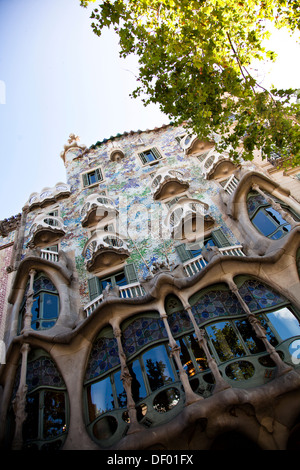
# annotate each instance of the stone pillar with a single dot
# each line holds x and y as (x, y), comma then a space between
(282, 368)
(221, 384)
(190, 396)
(276, 206)
(126, 378)
(29, 303)
(19, 403)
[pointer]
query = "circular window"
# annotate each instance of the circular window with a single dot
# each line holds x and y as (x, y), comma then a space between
(240, 370)
(166, 400)
(294, 350)
(105, 427)
(209, 378)
(141, 411)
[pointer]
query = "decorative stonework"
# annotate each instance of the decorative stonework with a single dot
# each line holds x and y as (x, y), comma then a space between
(168, 182)
(116, 153)
(103, 251)
(9, 225)
(48, 196)
(95, 208)
(72, 144)
(46, 230)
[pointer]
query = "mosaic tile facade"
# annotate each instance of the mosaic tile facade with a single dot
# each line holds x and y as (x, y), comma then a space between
(128, 182)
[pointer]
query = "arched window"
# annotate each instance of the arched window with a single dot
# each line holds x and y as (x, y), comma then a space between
(192, 355)
(104, 391)
(46, 424)
(268, 221)
(145, 344)
(45, 308)
(232, 341)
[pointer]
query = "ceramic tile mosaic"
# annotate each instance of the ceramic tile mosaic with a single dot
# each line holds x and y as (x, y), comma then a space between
(128, 182)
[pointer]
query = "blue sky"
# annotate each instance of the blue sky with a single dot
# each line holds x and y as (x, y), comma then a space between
(57, 77)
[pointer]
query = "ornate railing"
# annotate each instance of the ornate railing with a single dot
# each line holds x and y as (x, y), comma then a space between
(50, 255)
(49, 194)
(195, 265)
(231, 184)
(128, 291)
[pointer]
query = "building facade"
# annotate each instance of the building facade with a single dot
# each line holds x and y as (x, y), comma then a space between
(152, 301)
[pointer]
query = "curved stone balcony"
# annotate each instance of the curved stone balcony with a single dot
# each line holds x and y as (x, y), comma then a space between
(95, 208)
(187, 141)
(49, 195)
(116, 153)
(168, 183)
(188, 219)
(104, 250)
(216, 165)
(46, 230)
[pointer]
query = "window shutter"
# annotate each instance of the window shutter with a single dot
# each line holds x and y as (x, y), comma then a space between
(143, 158)
(99, 176)
(220, 238)
(156, 153)
(94, 288)
(85, 179)
(183, 253)
(130, 273)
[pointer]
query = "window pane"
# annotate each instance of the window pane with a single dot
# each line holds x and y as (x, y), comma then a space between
(185, 358)
(100, 398)
(276, 216)
(92, 177)
(121, 394)
(138, 389)
(158, 367)
(285, 323)
(225, 341)
(254, 344)
(105, 282)
(54, 414)
(263, 223)
(149, 156)
(197, 351)
(35, 310)
(120, 279)
(269, 333)
(50, 306)
(30, 427)
(277, 235)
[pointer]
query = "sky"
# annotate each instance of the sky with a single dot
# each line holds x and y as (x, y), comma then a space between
(57, 77)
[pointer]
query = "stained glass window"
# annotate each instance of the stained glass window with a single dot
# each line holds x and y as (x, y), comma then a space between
(259, 296)
(214, 304)
(43, 372)
(141, 332)
(45, 308)
(104, 356)
(45, 405)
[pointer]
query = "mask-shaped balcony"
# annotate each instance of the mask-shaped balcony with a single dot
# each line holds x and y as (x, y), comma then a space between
(217, 166)
(104, 250)
(167, 183)
(95, 208)
(116, 153)
(46, 230)
(48, 196)
(189, 220)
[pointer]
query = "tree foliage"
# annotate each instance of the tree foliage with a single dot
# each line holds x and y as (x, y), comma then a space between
(194, 61)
